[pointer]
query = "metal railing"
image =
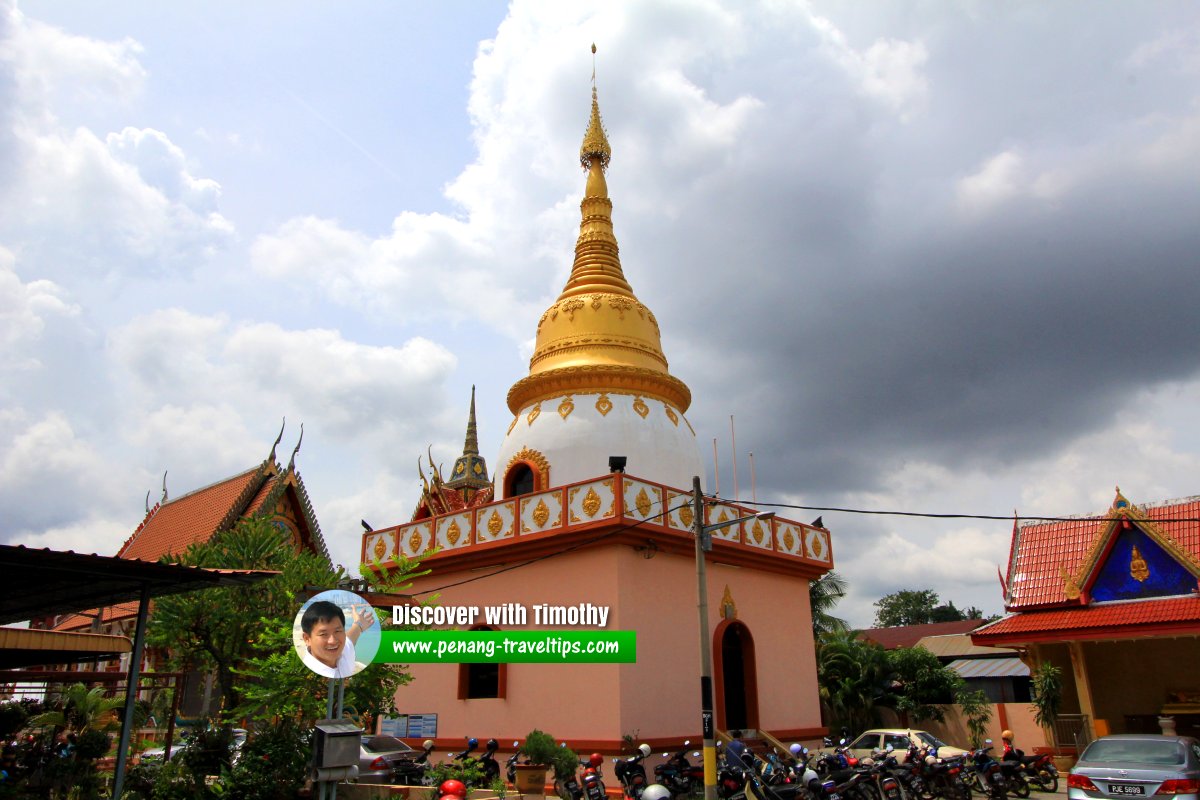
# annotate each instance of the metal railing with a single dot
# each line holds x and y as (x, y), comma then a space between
(1072, 730)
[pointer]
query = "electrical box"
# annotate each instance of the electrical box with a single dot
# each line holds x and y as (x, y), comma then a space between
(336, 743)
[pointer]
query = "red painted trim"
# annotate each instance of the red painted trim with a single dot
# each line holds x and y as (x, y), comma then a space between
(1186, 627)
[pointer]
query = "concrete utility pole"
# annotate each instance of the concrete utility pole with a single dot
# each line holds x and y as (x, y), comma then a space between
(707, 721)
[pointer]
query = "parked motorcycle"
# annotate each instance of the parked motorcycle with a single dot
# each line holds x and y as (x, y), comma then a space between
(631, 772)
(1038, 770)
(985, 773)
(679, 775)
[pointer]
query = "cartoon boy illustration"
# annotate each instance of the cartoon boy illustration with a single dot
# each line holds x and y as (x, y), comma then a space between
(329, 647)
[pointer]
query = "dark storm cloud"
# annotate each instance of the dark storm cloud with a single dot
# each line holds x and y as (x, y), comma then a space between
(858, 299)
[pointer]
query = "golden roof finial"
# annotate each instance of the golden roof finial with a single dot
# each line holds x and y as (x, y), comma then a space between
(595, 140)
(597, 336)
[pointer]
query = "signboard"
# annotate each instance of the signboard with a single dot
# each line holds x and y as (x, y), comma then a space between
(410, 726)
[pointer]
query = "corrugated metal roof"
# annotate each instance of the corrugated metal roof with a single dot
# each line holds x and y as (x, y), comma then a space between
(990, 668)
(958, 645)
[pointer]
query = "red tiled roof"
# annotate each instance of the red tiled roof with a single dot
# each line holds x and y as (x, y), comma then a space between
(1045, 550)
(909, 635)
(1101, 620)
(186, 520)
(78, 622)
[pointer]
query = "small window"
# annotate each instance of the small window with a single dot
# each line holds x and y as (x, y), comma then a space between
(482, 681)
(898, 742)
(868, 741)
(519, 481)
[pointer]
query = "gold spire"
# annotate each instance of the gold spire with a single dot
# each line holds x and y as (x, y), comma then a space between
(597, 336)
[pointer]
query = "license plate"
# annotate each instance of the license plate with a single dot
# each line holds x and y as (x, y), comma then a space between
(1126, 788)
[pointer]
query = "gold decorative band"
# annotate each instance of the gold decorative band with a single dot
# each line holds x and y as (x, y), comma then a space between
(599, 378)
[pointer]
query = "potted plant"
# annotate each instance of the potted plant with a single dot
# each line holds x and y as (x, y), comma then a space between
(1046, 685)
(541, 754)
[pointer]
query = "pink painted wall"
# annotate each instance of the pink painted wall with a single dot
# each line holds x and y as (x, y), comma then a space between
(659, 695)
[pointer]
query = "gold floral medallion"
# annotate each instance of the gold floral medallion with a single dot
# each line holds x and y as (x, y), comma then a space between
(639, 405)
(533, 413)
(591, 502)
(414, 542)
(789, 541)
(604, 405)
(380, 548)
(686, 516)
(453, 533)
(642, 501)
(566, 407)
(671, 415)
(541, 513)
(494, 523)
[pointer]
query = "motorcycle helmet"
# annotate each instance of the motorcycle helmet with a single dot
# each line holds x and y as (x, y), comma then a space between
(472, 743)
(492, 744)
(427, 744)
(867, 762)
(796, 750)
(656, 791)
(596, 760)
(453, 787)
(644, 749)
(931, 760)
(1006, 736)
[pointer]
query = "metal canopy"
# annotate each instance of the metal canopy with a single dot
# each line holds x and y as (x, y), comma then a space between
(47, 582)
(39, 583)
(22, 647)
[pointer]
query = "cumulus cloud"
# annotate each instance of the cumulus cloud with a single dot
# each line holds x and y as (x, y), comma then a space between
(24, 309)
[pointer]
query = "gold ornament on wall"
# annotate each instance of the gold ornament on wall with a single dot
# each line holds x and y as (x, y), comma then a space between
(642, 501)
(495, 523)
(533, 413)
(453, 532)
(686, 516)
(789, 541)
(591, 502)
(512, 425)
(603, 405)
(541, 513)
(757, 532)
(478, 468)
(728, 607)
(1070, 587)
(1139, 570)
(671, 415)
(380, 548)
(566, 407)
(639, 405)
(414, 542)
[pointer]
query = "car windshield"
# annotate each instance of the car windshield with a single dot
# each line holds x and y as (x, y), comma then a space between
(930, 739)
(1141, 751)
(385, 744)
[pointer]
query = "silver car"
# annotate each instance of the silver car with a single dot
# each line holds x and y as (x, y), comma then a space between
(1137, 765)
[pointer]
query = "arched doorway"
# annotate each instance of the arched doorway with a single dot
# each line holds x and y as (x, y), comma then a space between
(736, 676)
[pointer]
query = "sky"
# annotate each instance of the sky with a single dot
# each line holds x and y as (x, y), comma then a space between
(931, 257)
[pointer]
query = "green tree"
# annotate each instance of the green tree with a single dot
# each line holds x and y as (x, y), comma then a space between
(277, 684)
(220, 630)
(978, 710)
(823, 595)
(1046, 686)
(923, 686)
(853, 677)
(905, 607)
(83, 709)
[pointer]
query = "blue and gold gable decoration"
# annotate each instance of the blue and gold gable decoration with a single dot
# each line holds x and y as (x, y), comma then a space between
(1137, 565)
(470, 470)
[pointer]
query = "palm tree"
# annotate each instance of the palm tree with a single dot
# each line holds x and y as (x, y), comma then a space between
(823, 595)
(853, 677)
(83, 710)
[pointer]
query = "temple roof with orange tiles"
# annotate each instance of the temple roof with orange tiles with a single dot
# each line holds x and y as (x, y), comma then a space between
(171, 526)
(1134, 570)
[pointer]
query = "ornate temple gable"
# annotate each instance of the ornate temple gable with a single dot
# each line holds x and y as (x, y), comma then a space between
(1073, 562)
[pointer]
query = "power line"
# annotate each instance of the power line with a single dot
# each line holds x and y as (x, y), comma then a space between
(930, 515)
